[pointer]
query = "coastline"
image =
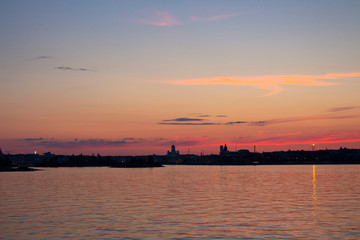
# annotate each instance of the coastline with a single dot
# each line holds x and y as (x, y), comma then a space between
(19, 169)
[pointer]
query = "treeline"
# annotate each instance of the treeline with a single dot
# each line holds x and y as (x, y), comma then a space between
(75, 161)
(96, 161)
(340, 156)
(5, 162)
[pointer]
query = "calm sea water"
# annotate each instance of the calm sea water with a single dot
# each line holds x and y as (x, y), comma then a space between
(182, 202)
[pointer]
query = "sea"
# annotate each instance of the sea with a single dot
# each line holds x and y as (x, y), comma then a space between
(182, 202)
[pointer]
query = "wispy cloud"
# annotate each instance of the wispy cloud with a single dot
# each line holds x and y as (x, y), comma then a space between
(188, 123)
(52, 143)
(31, 139)
(289, 134)
(252, 123)
(209, 116)
(201, 121)
(110, 143)
(164, 18)
(74, 69)
(161, 19)
(300, 119)
(261, 132)
(184, 120)
(340, 109)
(265, 138)
(39, 58)
(272, 83)
(214, 18)
(236, 122)
(255, 123)
(43, 57)
(298, 138)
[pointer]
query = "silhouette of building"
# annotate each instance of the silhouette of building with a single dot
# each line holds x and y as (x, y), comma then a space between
(224, 151)
(173, 152)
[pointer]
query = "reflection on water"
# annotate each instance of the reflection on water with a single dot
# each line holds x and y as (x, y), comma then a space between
(180, 202)
(315, 203)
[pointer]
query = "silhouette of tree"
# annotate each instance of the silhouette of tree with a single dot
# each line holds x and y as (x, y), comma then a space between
(5, 162)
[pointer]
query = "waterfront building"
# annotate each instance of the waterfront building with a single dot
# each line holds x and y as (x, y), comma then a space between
(224, 151)
(173, 152)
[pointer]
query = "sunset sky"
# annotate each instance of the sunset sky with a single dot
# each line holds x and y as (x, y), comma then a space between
(134, 77)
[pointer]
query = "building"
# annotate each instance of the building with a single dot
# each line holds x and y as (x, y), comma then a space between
(173, 152)
(224, 151)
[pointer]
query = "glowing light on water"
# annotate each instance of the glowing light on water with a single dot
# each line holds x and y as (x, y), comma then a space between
(315, 203)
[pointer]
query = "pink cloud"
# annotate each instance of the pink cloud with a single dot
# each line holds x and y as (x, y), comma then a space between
(289, 134)
(300, 119)
(299, 139)
(261, 133)
(273, 83)
(160, 19)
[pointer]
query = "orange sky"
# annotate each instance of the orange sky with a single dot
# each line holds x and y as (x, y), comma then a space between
(126, 78)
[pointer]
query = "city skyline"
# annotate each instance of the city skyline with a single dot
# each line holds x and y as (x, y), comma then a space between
(135, 77)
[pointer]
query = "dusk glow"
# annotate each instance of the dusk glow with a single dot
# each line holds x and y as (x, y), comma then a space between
(135, 77)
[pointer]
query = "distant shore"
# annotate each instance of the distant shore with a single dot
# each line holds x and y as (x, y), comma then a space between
(26, 162)
(18, 169)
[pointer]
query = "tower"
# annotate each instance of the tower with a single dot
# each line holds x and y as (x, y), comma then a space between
(173, 151)
(223, 149)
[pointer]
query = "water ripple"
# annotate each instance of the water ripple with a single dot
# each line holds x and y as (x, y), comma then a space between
(182, 202)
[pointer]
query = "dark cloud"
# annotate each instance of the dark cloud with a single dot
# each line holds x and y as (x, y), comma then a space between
(258, 123)
(188, 123)
(31, 139)
(123, 142)
(39, 58)
(184, 120)
(237, 122)
(85, 143)
(340, 109)
(201, 121)
(43, 57)
(300, 119)
(73, 69)
(221, 115)
(131, 139)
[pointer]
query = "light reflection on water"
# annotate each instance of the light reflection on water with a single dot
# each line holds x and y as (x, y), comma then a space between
(179, 202)
(315, 203)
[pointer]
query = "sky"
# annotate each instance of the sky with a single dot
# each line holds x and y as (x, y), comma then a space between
(134, 77)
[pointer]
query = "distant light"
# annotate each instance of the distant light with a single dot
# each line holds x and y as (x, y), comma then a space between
(35, 152)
